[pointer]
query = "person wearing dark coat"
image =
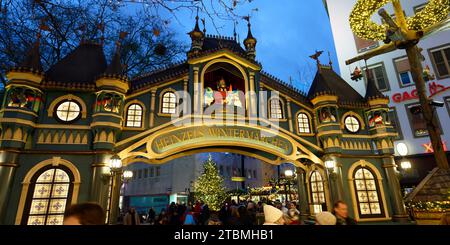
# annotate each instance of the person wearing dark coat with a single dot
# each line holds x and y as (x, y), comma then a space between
(341, 212)
(151, 216)
(244, 217)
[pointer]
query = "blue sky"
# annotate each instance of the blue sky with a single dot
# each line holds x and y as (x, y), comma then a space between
(288, 31)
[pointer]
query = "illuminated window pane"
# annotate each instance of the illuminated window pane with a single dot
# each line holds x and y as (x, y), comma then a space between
(42, 191)
(55, 220)
(68, 111)
(317, 191)
(367, 192)
(276, 112)
(47, 176)
(60, 190)
(39, 206)
(134, 116)
(36, 220)
(169, 103)
(303, 123)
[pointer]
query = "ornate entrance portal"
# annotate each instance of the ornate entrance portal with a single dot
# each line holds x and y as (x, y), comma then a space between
(271, 146)
(217, 100)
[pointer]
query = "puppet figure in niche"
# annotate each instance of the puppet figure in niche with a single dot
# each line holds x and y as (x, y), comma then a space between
(375, 119)
(326, 115)
(225, 95)
(23, 98)
(110, 103)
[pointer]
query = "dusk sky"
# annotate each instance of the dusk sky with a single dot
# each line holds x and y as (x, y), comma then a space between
(288, 31)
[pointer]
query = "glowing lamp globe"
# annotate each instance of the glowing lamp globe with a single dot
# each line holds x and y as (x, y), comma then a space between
(115, 163)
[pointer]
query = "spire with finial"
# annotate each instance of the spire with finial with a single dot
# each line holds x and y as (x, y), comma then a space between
(32, 59)
(234, 31)
(115, 68)
(316, 58)
(250, 41)
(204, 25)
(197, 37)
(329, 60)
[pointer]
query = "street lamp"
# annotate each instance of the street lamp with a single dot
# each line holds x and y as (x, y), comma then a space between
(127, 175)
(288, 174)
(330, 164)
(115, 165)
(405, 165)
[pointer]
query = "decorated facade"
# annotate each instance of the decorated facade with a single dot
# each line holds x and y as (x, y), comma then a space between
(61, 127)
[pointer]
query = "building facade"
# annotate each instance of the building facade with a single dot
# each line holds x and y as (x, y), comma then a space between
(63, 129)
(393, 79)
(157, 185)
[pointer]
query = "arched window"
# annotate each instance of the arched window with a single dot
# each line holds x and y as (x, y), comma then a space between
(134, 116)
(169, 103)
(276, 111)
(49, 194)
(368, 197)
(317, 192)
(303, 123)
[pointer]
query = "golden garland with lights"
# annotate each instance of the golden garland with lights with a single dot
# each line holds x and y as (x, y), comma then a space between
(362, 25)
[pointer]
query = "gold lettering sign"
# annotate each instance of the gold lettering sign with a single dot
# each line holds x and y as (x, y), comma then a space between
(234, 135)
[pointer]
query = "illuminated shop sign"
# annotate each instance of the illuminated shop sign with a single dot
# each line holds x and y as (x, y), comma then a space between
(433, 89)
(429, 147)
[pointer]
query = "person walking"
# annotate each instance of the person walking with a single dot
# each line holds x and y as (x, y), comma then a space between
(188, 217)
(84, 214)
(204, 214)
(151, 216)
(132, 217)
(325, 218)
(445, 220)
(273, 215)
(340, 210)
(293, 214)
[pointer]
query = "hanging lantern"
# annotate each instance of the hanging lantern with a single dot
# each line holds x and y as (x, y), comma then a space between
(427, 76)
(357, 74)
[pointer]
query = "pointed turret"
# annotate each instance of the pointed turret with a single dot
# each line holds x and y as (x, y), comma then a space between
(114, 77)
(115, 68)
(30, 68)
(32, 60)
(197, 37)
(250, 43)
(372, 91)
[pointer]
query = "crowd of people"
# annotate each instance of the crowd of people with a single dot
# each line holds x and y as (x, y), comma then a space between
(235, 214)
(231, 214)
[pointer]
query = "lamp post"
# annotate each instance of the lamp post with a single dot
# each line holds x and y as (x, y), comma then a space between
(115, 165)
(330, 165)
(288, 174)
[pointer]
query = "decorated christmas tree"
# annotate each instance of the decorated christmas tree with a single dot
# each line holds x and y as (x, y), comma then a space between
(209, 187)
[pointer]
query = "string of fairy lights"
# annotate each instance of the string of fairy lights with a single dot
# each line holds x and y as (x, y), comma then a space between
(363, 26)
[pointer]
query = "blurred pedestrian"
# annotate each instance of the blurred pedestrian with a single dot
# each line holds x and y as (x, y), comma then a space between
(273, 215)
(84, 214)
(132, 217)
(325, 218)
(445, 220)
(340, 210)
(151, 216)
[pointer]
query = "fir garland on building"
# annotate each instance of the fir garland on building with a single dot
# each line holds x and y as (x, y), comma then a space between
(209, 187)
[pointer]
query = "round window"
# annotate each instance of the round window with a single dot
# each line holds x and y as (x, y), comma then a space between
(352, 124)
(68, 111)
